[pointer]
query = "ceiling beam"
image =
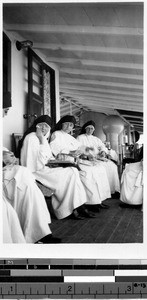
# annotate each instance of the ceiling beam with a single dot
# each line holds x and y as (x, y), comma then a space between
(95, 63)
(96, 49)
(98, 82)
(100, 73)
(136, 122)
(69, 101)
(64, 86)
(106, 103)
(97, 95)
(96, 105)
(132, 116)
(98, 30)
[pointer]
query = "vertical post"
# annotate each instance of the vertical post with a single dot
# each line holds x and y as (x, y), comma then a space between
(113, 126)
(129, 134)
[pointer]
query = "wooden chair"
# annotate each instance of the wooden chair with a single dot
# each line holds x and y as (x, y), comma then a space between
(16, 137)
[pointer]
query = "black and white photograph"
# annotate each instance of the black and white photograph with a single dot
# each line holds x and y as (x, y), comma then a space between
(73, 125)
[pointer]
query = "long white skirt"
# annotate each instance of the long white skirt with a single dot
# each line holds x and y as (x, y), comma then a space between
(69, 190)
(112, 174)
(28, 202)
(95, 180)
(12, 232)
(132, 184)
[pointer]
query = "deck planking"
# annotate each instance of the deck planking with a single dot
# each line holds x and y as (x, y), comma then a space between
(113, 225)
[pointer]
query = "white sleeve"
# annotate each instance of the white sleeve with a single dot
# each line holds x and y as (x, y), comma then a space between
(33, 154)
(101, 145)
(55, 144)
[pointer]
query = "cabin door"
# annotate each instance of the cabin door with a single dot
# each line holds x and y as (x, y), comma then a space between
(41, 89)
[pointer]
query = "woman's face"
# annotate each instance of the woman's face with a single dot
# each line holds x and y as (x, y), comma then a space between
(67, 127)
(45, 128)
(89, 130)
(9, 158)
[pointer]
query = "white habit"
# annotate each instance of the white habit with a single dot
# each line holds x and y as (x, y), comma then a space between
(110, 167)
(28, 201)
(94, 179)
(69, 191)
(12, 232)
(132, 184)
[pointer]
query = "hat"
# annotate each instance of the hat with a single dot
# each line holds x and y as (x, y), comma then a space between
(83, 130)
(43, 119)
(67, 118)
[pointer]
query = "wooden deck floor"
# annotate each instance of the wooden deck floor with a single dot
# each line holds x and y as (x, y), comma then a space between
(113, 225)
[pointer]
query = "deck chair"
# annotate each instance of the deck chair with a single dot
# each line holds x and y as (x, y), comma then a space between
(16, 138)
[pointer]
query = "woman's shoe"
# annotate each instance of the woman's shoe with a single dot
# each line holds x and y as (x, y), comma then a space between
(76, 216)
(115, 195)
(94, 208)
(105, 206)
(87, 214)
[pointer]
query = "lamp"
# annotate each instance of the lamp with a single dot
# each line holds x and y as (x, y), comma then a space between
(23, 44)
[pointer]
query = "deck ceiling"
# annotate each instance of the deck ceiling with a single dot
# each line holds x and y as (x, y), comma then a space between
(97, 46)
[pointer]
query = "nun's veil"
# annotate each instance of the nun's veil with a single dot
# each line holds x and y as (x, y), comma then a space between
(32, 128)
(67, 118)
(83, 130)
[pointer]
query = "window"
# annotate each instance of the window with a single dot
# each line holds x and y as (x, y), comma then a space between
(41, 88)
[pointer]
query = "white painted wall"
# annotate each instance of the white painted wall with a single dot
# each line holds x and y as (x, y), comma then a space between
(98, 118)
(14, 121)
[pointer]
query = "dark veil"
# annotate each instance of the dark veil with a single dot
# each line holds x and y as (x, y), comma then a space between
(67, 118)
(83, 130)
(32, 128)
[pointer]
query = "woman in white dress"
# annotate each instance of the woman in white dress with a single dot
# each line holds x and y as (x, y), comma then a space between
(69, 192)
(23, 194)
(94, 179)
(12, 232)
(100, 152)
(132, 183)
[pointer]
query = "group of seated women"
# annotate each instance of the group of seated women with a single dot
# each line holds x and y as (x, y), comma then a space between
(77, 190)
(91, 184)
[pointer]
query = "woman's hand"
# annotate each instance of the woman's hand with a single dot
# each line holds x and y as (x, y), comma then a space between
(91, 157)
(39, 134)
(9, 158)
(102, 154)
(109, 156)
(76, 153)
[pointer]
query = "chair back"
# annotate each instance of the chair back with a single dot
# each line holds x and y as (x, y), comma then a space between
(16, 138)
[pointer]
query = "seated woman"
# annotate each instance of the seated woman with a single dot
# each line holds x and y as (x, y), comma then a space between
(23, 194)
(12, 232)
(35, 153)
(132, 183)
(94, 179)
(100, 152)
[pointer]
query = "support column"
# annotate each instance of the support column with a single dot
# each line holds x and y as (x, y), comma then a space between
(129, 134)
(113, 125)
